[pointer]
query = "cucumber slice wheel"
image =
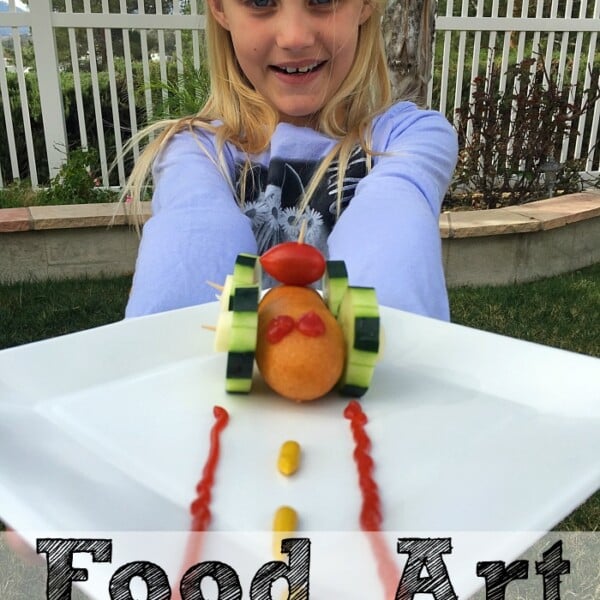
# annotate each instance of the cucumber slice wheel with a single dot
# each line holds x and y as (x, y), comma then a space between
(334, 285)
(238, 335)
(246, 271)
(359, 318)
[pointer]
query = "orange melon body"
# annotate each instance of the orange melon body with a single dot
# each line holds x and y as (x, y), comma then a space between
(298, 366)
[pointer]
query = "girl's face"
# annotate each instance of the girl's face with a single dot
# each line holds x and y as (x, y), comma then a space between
(295, 53)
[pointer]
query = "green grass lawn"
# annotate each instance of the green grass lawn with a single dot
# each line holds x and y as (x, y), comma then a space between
(561, 311)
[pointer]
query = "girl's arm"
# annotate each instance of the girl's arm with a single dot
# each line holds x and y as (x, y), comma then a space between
(195, 232)
(389, 234)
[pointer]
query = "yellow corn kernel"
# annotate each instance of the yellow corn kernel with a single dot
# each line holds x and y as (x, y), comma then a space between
(285, 521)
(289, 457)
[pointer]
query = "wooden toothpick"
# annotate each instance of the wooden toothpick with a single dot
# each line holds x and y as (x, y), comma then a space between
(217, 286)
(302, 231)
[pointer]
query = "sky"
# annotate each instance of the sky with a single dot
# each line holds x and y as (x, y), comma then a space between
(18, 4)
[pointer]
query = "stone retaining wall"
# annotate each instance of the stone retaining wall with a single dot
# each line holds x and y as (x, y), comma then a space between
(497, 247)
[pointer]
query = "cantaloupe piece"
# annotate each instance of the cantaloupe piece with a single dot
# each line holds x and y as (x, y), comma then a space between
(299, 367)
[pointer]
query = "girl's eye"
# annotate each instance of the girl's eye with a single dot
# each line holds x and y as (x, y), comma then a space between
(322, 2)
(260, 3)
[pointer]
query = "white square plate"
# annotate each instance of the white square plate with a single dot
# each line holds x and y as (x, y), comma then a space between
(108, 429)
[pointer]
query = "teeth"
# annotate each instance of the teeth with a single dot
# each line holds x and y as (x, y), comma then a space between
(300, 70)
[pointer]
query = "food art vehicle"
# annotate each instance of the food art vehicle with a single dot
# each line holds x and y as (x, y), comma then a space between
(304, 344)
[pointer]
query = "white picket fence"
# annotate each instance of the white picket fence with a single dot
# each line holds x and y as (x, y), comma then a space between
(465, 34)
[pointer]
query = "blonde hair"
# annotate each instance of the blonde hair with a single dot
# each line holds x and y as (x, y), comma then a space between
(247, 121)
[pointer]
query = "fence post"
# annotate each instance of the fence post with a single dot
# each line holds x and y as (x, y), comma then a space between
(48, 74)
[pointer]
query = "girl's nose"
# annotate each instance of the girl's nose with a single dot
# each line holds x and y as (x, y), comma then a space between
(295, 30)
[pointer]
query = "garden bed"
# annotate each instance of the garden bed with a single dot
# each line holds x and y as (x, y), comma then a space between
(497, 247)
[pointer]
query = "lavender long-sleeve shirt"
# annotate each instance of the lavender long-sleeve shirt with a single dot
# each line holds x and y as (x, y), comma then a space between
(388, 231)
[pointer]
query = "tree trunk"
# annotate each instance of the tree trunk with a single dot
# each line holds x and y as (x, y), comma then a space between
(408, 28)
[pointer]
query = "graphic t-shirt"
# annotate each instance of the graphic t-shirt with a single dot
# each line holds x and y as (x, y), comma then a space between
(273, 195)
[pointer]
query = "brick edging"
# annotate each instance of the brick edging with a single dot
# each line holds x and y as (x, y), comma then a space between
(541, 215)
(68, 216)
(534, 216)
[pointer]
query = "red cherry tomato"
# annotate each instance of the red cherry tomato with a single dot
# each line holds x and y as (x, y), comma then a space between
(294, 263)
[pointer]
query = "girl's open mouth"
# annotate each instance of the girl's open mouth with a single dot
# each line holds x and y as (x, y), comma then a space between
(298, 71)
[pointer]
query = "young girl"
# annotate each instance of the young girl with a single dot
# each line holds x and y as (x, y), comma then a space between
(299, 126)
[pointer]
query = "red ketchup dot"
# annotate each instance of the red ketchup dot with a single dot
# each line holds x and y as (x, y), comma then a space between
(279, 327)
(311, 324)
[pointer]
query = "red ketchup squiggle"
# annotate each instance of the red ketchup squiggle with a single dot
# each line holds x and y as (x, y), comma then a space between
(279, 327)
(311, 324)
(200, 507)
(371, 518)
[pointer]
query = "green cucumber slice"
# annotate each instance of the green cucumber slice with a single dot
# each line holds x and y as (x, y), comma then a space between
(245, 298)
(353, 391)
(241, 343)
(243, 321)
(246, 269)
(240, 366)
(366, 334)
(359, 319)
(334, 284)
(242, 339)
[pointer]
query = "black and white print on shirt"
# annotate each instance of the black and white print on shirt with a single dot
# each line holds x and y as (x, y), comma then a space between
(274, 193)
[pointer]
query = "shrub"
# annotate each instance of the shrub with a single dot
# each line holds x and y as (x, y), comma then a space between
(506, 137)
(76, 183)
(70, 116)
(182, 93)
